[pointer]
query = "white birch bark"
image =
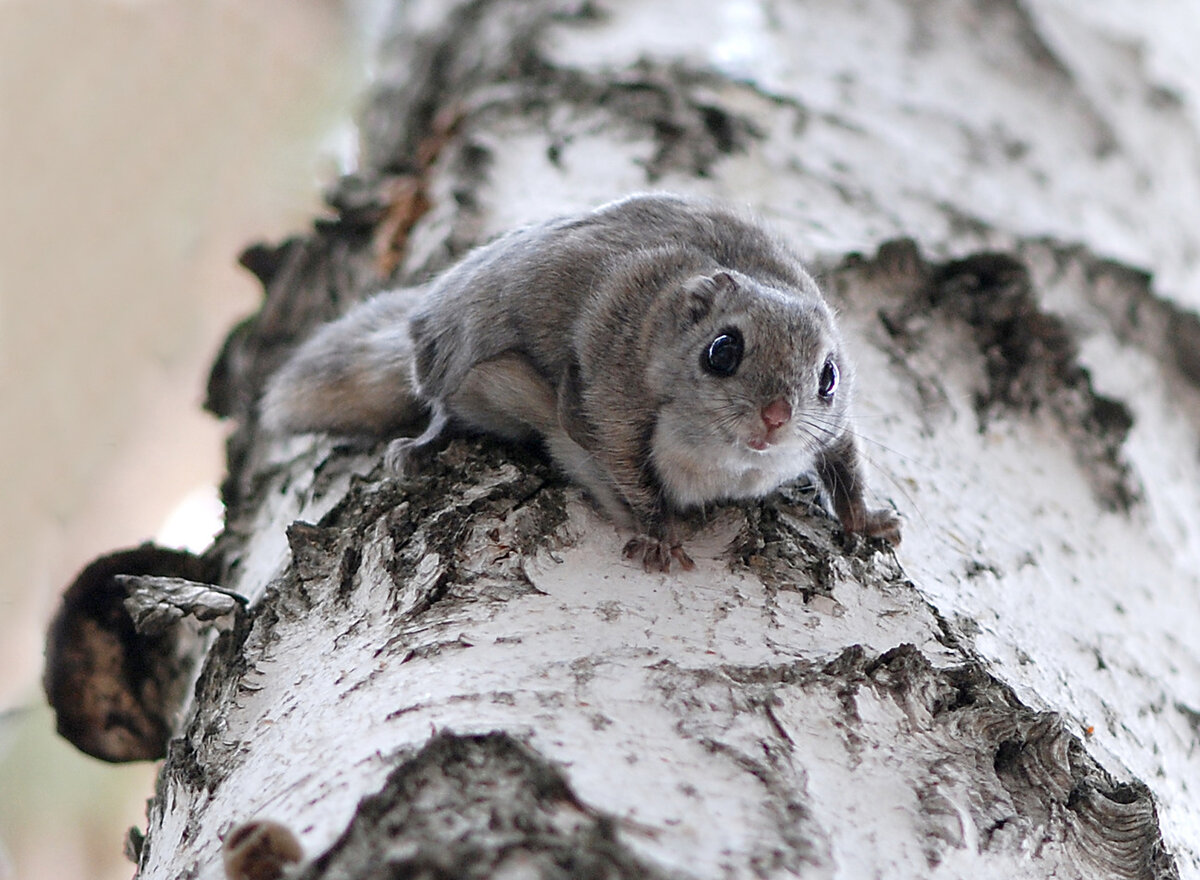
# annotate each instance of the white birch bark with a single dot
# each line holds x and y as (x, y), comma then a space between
(1014, 693)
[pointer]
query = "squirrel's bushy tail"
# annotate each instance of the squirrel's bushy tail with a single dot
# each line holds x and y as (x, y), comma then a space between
(353, 376)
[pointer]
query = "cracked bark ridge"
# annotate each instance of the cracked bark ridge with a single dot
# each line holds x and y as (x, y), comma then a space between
(1045, 784)
(433, 557)
(792, 542)
(1030, 358)
(674, 105)
(117, 686)
(506, 515)
(1028, 782)
(307, 281)
(481, 806)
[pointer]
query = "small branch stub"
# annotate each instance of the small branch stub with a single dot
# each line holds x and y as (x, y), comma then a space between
(260, 850)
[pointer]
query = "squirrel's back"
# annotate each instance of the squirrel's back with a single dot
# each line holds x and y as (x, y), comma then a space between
(373, 370)
(527, 290)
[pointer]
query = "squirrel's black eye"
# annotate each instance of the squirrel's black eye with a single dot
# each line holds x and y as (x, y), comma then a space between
(829, 380)
(724, 353)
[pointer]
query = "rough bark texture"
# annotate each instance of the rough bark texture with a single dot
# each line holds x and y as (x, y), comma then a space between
(455, 675)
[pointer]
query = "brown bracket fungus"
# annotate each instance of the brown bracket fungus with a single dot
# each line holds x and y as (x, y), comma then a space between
(118, 660)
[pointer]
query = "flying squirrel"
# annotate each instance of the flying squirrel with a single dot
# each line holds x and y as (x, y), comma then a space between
(668, 352)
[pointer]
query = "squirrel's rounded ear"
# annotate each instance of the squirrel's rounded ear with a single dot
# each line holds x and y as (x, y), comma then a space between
(703, 291)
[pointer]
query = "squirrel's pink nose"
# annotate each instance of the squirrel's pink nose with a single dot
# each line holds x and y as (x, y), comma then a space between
(776, 414)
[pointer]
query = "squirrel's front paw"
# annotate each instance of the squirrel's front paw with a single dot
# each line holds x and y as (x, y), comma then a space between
(656, 554)
(882, 523)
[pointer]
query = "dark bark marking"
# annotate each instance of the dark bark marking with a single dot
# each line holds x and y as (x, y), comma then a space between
(466, 807)
(1030, 356)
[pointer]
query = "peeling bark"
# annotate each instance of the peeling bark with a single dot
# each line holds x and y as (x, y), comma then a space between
(455, 674)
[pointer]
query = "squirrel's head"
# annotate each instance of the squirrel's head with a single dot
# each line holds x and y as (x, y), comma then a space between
(753, 376)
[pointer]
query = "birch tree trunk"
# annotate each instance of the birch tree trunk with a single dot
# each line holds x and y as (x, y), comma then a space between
(456, 675)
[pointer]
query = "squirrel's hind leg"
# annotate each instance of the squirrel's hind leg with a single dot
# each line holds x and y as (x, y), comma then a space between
(403, 453)
(503, 396)
(507, 396)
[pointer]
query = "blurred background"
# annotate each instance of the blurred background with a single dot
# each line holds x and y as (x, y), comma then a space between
(143, 144)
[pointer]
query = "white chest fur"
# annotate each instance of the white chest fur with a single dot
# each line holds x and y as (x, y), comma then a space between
(696, 470)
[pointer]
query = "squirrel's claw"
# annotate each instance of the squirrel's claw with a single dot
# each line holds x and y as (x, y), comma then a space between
(656, 554)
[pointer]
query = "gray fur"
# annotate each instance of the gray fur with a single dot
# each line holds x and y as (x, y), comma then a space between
(589, 333)
(353, 376)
